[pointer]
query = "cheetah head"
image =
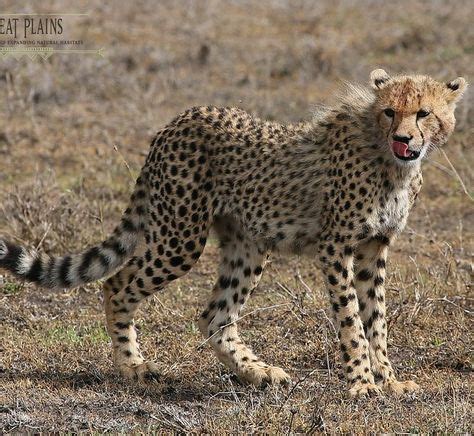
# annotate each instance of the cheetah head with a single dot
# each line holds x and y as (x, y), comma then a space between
(414, 113)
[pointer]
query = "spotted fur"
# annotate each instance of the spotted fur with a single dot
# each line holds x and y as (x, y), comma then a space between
(332, 188)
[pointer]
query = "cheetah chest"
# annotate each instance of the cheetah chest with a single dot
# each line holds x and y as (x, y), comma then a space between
(391, 214)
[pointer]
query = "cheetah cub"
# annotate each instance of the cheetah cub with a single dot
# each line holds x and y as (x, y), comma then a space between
(338, 188)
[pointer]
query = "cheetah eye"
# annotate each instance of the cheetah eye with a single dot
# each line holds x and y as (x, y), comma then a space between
(389, 112)
(422, 113)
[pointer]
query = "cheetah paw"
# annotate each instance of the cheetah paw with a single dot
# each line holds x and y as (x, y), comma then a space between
(398, 388)
(263, 375)
(360, 389)
(143, 372)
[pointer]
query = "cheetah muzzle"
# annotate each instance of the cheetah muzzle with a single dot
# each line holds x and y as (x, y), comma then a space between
(337, 188)
(402, 152)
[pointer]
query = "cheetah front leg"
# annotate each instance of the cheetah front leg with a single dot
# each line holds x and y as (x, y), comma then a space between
(353, 343)
(369, 281)
(239, 273)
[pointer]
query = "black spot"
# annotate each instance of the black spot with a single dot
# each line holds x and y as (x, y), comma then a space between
(190, 246)
(115, 246)
(378, 281)
(174, 242)
(364, 275)
(157, 281)
(343, 300)
(224, 282)
(383, 239)
(180, 191)
(148, 256)
(348, 322)
(380, 263)
(176, 261)
(332, 280)
(127, 225)
(87, 259)
(182, 211)
(64, 271)
(34, 273)
(330, 250)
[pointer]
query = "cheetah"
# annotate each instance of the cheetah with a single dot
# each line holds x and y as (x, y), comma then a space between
(337, 188)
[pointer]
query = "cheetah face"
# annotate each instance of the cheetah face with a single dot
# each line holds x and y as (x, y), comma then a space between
(414, 113)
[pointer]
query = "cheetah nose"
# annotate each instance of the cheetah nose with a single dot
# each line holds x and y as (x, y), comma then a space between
(401, 138)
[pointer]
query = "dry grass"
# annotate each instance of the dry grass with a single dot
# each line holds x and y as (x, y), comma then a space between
(63, 186)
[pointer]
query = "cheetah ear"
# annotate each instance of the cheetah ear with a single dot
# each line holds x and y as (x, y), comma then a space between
(379, 78)
(456, 89)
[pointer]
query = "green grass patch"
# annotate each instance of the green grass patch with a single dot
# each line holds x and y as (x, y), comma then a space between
(92, 334)
(10, 288)
(437, 342)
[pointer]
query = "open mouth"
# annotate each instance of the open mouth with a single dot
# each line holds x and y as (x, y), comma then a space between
(402, 152)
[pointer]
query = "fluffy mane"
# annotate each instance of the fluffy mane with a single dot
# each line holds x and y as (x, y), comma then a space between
(350, 98)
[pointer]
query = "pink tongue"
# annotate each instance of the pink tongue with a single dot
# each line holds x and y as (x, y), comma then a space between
(400, 148)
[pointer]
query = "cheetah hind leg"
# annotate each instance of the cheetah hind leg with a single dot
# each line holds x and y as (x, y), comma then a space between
(128, 359)
(239, 273)
(142, 277)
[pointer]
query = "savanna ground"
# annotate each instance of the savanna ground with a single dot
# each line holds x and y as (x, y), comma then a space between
(74, 131)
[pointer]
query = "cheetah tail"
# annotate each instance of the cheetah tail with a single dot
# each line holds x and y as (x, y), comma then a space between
(92, 264)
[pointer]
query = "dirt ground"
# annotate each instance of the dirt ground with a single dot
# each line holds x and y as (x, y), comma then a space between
(74, 131)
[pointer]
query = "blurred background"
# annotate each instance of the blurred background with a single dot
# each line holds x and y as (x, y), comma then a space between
(74, 131)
